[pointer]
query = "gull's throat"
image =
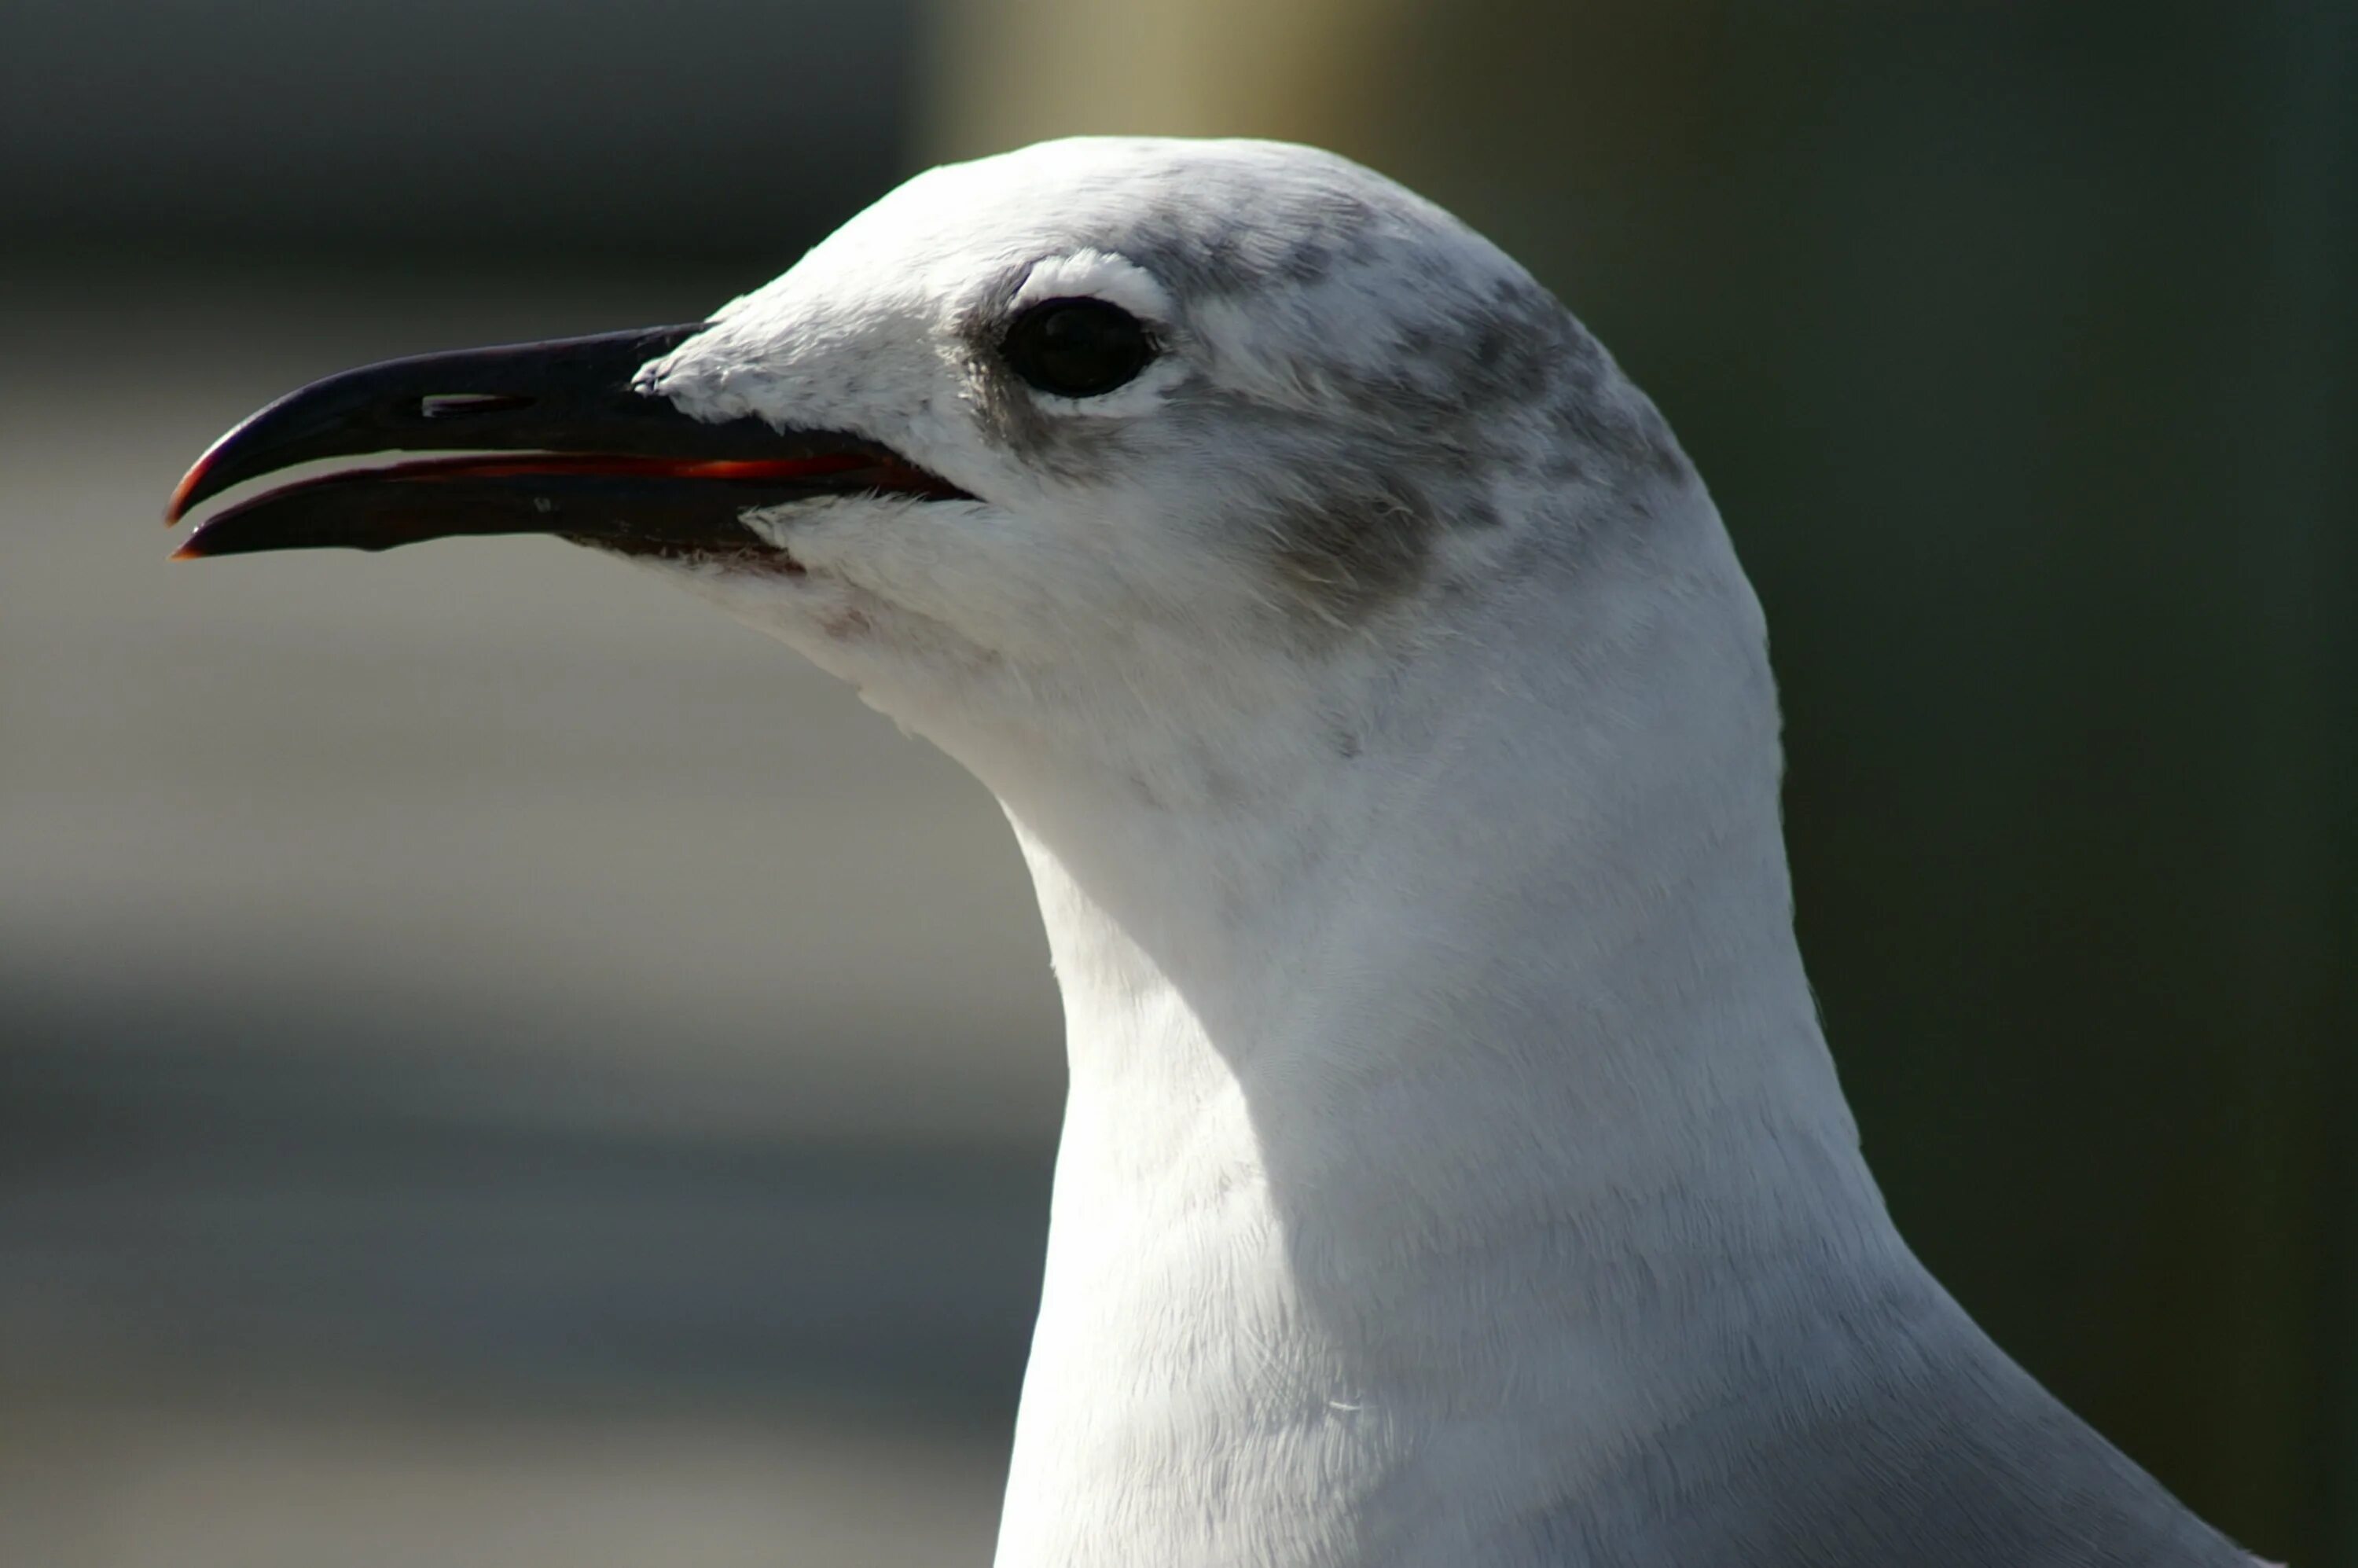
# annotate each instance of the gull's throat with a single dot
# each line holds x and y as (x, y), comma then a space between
(1387, 1136)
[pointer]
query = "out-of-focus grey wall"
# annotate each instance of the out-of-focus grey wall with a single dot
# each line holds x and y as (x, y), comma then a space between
(498, 1065)
(434, 132)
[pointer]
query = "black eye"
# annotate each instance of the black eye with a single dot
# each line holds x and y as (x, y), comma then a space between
(1077, 347)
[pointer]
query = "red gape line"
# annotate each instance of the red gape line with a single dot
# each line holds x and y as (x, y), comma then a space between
(512, 465)
(885, 471)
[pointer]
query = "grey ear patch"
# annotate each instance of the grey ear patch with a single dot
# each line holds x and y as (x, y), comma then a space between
(1347, 552)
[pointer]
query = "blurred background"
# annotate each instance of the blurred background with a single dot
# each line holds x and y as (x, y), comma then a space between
(499, 1065)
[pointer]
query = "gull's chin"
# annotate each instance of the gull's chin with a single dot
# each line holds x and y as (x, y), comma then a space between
(769, 589)
(750, 559)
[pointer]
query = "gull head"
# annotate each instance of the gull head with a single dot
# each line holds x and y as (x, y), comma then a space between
(1100, 433)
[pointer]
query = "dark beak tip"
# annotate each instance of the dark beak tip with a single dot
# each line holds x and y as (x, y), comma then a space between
(197, 485)
(183, 495)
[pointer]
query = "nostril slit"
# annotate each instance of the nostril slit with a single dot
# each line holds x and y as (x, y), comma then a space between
(459, 405)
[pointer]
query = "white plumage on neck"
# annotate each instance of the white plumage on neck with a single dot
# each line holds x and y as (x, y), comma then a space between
(1445, 1101)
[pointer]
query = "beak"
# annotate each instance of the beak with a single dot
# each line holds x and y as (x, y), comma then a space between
(557, 441)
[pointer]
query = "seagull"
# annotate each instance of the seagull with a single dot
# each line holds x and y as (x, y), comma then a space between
(1454, 1171)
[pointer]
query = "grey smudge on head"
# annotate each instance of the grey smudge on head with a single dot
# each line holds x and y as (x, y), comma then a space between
(1487, 366)
(1407, 435)
(1236, 247)
(1503, 389)
(1347, 551)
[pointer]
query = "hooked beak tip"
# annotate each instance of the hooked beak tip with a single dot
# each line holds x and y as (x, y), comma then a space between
(177, 507)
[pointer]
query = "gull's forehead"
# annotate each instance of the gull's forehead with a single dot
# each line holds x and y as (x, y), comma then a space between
(1208, 220)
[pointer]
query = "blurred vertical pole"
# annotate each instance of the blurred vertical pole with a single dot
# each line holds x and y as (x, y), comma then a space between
(2017, 343)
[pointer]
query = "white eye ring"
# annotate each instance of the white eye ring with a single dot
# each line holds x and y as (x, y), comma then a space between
(1097, 275)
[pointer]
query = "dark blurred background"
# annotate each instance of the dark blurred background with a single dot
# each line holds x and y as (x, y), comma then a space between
(498, 1065)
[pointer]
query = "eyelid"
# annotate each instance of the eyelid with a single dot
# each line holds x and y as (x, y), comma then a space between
(1097, 275)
